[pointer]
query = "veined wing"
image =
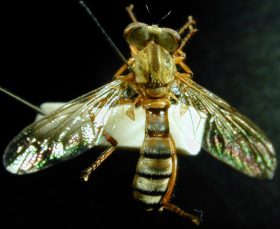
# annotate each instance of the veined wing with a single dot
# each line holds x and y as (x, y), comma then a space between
(65, 133)
(229, 136)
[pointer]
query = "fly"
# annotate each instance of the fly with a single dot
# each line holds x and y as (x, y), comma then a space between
(154, 81)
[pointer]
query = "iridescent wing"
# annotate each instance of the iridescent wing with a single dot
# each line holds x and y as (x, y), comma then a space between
(65, 133)
(228, 135)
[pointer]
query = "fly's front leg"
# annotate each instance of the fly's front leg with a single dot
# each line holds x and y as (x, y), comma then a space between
(129, 10)
(123, 68)
(108, 152)
(186, 69)
(179, 55)
(192, 30)
(182, 76)
(179, 58)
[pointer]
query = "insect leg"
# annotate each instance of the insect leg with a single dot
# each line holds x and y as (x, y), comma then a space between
(87, 172)
(179, 57)
(189, 25)
(179, 61)
(165, 200)
(171, 95)
(182, 76)
(129, 9)
(186, 68)
(173, 208)
(121, 70)
(171, 183)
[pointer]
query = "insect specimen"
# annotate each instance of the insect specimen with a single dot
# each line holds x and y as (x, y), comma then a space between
(154, 80)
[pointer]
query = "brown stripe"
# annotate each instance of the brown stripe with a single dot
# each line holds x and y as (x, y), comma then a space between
(154, 58)
(149, 193)
(156, 147)
(153, 176)
(147, 199)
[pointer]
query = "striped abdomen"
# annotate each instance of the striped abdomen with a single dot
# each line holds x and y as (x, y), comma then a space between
(157, 162)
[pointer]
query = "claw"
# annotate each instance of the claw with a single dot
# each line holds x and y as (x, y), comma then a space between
(196, 221)
(85, 174)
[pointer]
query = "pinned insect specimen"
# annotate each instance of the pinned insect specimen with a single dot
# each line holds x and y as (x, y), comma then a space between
(154, 81)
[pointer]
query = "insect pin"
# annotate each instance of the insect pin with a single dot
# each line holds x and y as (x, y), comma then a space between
(152, 85)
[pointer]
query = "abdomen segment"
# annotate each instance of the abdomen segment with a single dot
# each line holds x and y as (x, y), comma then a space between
(155, 166)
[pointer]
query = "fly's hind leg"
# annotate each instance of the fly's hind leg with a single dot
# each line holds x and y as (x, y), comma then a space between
(104, 155)
(173, 208)
(166, 198)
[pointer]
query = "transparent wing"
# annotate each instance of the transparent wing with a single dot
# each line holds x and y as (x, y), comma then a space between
(228, 135)
(65, 133)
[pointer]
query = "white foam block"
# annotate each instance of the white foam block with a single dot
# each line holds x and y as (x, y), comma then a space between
(186, 130)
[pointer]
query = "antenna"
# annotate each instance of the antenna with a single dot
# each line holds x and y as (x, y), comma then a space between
(109, 40)
(165, 16)
(147, 8)
(37, 109)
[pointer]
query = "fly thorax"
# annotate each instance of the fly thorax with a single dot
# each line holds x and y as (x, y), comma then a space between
(154, 67)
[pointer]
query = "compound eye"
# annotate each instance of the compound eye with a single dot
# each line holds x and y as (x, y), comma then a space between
(169, 39)
(136, 34)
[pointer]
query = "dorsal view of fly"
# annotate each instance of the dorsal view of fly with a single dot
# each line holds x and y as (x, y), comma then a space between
(154, 79)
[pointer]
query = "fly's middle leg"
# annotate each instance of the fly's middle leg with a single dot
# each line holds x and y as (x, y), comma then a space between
(104, 155)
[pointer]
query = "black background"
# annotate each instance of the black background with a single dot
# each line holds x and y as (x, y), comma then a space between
(52, 51)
